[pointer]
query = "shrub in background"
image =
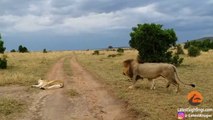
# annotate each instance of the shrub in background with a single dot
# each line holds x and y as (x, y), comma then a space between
(13, 50)
(44, 51)
(3, 62)
(193, 51)
(22, 49)
(96, 52)
(120, 50)
(176, 60)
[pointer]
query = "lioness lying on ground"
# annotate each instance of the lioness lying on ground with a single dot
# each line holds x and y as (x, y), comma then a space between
(49, 84)
(136, 71)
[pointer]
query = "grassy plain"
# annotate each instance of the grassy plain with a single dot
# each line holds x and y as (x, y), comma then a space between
(159, 104)
(24, 69)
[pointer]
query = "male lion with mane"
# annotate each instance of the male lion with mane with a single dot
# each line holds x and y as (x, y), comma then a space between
(136, 71)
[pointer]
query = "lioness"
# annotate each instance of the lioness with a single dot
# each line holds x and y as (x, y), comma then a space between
(136, 71)
(49, 84)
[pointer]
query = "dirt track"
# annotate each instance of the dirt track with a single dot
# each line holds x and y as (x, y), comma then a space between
(92, 103)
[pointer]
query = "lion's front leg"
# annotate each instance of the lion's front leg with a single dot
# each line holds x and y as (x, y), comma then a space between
(134, 80)
(152, 84)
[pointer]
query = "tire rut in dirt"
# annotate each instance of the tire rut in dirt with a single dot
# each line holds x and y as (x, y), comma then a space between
(95, 98)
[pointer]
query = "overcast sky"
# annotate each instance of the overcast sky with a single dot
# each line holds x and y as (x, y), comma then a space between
(92, 24)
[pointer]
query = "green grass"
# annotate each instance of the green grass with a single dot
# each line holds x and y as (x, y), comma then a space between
(153, 104)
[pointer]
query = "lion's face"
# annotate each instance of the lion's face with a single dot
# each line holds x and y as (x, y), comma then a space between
(127, 70)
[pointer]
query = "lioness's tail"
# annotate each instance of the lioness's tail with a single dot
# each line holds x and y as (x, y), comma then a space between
(193, 85)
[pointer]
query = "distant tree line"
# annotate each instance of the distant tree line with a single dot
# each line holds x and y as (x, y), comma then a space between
(194, 47)
(203, 45)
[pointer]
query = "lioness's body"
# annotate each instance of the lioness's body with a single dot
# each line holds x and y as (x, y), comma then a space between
(49, 84)
(135, 71)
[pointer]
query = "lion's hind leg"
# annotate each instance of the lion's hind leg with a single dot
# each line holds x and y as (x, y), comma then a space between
(172, 80)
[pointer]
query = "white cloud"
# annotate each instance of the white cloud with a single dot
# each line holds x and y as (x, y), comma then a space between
(92, 22)
(28, 23)
(72, 19)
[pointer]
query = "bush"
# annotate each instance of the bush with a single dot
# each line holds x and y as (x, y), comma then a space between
(22, 49)
(112, 55)
(187, 45)
(203, 45)
(3, 62)
(193, 51)
(13, 50)
(205, 49)
(176, 60)
(120, 50)
(96, 52)
(44, 51)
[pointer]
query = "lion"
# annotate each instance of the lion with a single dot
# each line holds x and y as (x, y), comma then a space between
(49, 84)
(135, 71)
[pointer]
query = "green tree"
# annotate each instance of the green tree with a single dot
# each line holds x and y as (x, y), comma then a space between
(44, 50)
(2, 48)
(110, 47)
(22, 49)
(153, 42)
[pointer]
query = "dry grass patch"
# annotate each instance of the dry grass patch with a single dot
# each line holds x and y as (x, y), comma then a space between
(10, 106)
(27, 68)
(153, 104)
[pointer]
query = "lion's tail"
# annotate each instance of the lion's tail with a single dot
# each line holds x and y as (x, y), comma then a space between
(193, 85)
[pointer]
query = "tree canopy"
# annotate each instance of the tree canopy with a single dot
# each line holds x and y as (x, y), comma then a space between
(153, 42)
(2, 48)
